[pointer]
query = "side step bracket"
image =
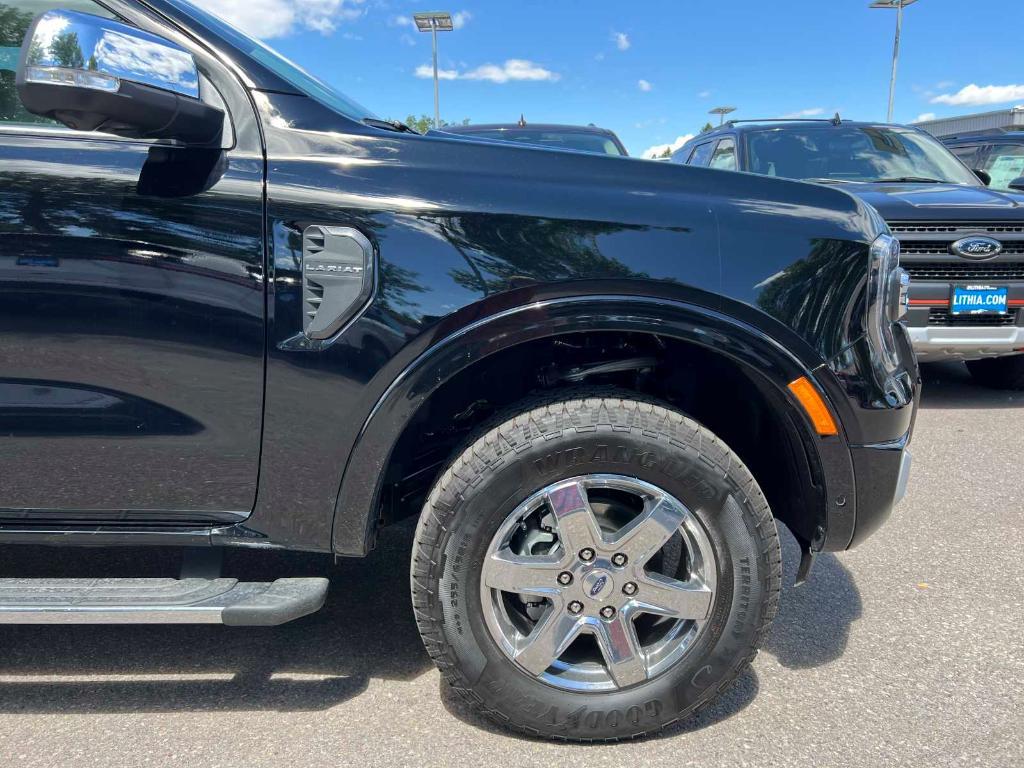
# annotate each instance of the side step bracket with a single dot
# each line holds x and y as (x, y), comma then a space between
(159, 601)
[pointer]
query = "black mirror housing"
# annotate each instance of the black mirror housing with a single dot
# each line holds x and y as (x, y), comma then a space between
(983, 176)
(78, 77)
(1017, 184)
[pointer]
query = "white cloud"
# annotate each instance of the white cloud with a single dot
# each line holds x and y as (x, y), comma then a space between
(975, 95)
(812, 112)
(277, 18)
(643, 85)
(621, 40)
(659, 149)
(512, 69)
(426, 71)
(459, 19)
(407, 39)
(703, 94)
(923, 117)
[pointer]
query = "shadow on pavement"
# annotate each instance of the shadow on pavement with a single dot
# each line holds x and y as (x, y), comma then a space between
(365, 631)
(949, 385)
(812, 626)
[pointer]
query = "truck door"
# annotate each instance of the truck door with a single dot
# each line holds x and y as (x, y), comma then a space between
(132, 311)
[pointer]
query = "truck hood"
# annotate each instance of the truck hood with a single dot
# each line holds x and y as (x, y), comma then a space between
(938, 201)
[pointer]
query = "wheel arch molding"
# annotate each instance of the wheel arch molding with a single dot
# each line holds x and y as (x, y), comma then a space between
(760, 357)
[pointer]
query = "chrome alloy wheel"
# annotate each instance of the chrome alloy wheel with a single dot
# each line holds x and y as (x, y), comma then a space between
(598, 582)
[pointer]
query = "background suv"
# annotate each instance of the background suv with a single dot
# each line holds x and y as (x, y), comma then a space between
(962, 242)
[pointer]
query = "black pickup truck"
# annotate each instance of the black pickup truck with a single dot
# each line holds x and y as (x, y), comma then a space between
(238, 310)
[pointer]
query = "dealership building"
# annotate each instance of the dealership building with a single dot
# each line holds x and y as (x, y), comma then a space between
(983, 122)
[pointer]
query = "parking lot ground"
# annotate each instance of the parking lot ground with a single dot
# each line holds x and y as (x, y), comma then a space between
(906, 651)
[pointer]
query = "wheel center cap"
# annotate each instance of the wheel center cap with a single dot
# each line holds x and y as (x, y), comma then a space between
(597, 584)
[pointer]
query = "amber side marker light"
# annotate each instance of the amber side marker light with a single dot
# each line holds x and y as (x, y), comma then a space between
(814, 406)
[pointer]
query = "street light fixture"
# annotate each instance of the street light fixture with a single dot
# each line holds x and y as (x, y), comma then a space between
(721, 112)
(434, 22)
(899, 5)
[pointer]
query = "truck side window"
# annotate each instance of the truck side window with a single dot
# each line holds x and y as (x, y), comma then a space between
(15, 18)
(701, 154)
(725, 156)
(1005, 163)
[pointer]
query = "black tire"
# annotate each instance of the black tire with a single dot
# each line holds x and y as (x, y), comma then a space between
(531, 450)
(1005, 372)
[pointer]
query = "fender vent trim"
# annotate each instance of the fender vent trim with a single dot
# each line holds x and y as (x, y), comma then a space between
(337, 278)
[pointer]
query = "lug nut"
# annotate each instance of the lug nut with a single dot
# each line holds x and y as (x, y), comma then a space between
(575, 607)
(565, 578)
(629, 588)
(586, 554)
(619, 559)
(607, 612)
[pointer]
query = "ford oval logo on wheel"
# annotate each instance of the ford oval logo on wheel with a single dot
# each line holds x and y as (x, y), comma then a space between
(977, 247)
(598, 585)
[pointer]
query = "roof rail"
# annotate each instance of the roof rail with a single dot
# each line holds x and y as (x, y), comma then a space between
(836, 120)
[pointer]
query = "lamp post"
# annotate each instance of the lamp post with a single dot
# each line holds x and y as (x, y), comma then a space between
(721, 112)
(434, 22)
(899, 5)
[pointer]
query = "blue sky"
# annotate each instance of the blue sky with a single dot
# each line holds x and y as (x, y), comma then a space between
(650, 70)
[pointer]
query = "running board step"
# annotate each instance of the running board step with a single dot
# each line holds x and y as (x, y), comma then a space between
(159, 601)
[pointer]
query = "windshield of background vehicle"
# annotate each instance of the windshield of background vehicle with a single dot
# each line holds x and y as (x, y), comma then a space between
(853, 153)
(597, 143)
(278, 64)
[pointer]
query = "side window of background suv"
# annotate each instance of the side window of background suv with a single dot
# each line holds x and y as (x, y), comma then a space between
(15, 18)
(1005, 162)
(701, 154)
(725, 155)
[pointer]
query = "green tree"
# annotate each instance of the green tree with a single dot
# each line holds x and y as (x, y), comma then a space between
(13, 25)
(707, 127)
(424, 123)
(66, 49)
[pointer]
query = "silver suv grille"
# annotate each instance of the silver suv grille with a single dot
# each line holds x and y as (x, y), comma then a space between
(961, 269)
(956, 230)
(941, 316)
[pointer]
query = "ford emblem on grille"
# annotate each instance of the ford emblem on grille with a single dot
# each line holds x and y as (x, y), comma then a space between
(976, 247)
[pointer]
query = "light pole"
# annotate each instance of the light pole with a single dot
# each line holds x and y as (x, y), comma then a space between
(434, 22)
(721, 112)
(899, 5)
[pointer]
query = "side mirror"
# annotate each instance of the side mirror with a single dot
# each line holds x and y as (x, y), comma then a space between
(94, 74)
(1017, 184)
(984, 176)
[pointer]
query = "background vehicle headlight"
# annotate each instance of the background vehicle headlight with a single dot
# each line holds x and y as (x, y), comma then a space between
(887, 288)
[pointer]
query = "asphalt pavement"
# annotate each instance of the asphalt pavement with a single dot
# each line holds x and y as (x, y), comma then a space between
(907, 651)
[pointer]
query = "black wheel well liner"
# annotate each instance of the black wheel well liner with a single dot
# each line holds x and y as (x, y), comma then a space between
(689, 357)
